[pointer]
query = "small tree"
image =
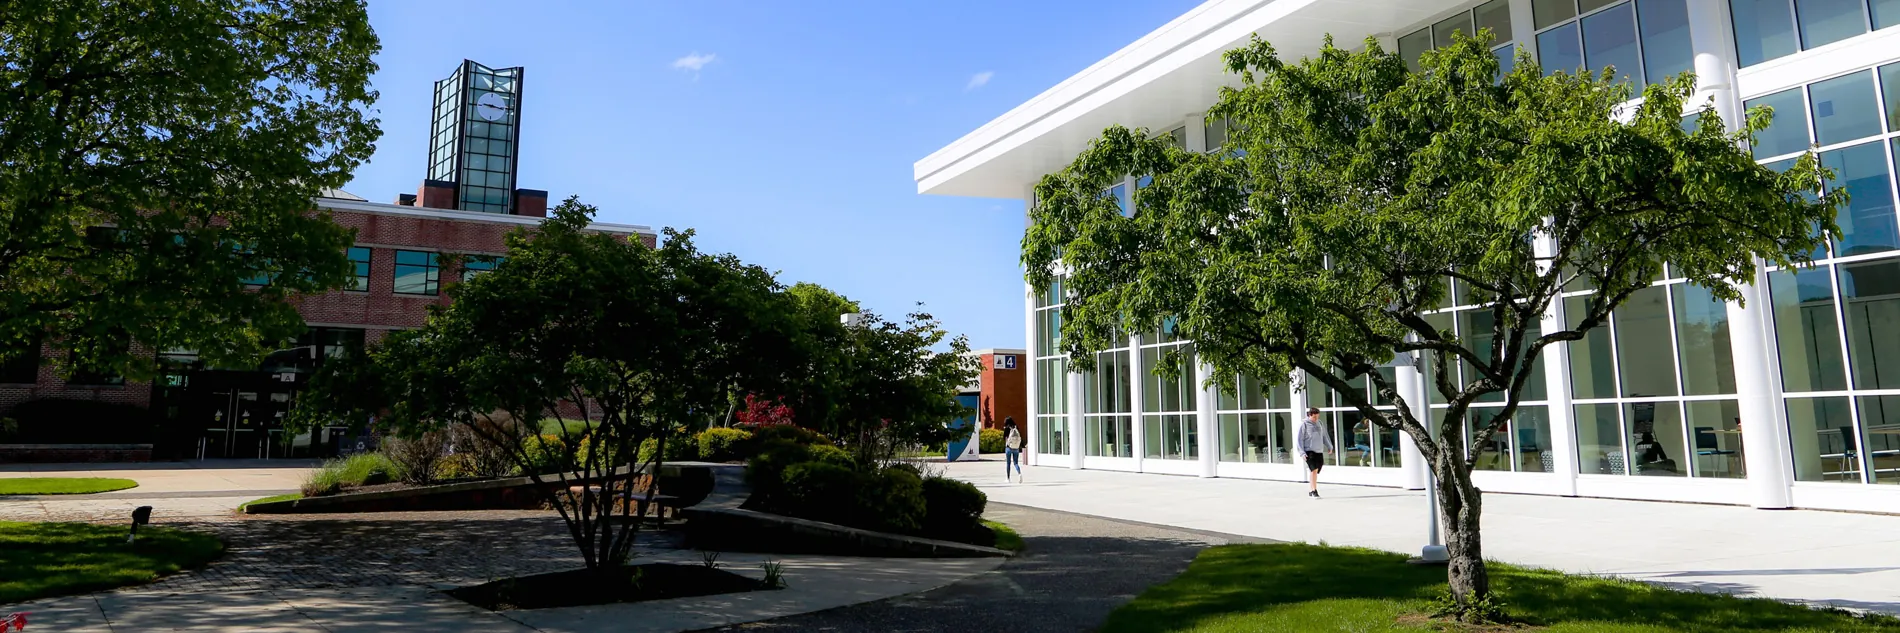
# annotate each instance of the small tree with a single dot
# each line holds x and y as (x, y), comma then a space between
(1353, 194)
(160, 161)
(606, 340)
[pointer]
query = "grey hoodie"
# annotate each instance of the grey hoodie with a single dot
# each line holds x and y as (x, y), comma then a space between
(1312, 438)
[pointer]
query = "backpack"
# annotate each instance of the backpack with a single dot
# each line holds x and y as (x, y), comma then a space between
(1014, 440)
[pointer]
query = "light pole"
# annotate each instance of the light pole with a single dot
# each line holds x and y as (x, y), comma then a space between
(1412, 389)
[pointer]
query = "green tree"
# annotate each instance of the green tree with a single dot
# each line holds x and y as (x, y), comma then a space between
(641, 341)
(1352, 194)
(155, 156)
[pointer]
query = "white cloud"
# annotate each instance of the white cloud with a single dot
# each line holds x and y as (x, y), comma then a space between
(979, 79)
(694, 62)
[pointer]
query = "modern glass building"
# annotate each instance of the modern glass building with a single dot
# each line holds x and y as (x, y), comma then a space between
(1791, 399)
(473, 140)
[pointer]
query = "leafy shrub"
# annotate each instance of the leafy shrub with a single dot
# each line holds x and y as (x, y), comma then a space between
(338, 475)
(890, 501)
(476, 454)
(828, 454)
(990, 441)
(680, 447)
(64, 421)
(952, 508)
(415, 459)
(546, 454)
(722, 444)
(764, 437)
(820, 492)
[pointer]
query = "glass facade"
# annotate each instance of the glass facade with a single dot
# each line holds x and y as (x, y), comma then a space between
(1052, 374)
(1494, 15)
(474, 265)
(359, 265)
(1644, 41)
(1255, 422)
(1770, 29)
(1107, 406)
(473, 140)
(1170, 428)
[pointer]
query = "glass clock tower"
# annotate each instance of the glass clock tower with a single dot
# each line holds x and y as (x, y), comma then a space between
(473, 140)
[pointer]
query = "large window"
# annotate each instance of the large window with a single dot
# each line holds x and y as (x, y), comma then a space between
(1356, 440)
(417, 273)
(1842, 120)
(1523, 444)
(1052, 374)
(1108, 429)
(1843, 391)
(1256, 422)
(1767, 29)
(359, 264)
(475, 265)
(1654, 388)
(1169, 429)
(1644, 41)
(1494, 15)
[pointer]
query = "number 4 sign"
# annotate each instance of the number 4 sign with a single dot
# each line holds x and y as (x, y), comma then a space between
(1003, 361)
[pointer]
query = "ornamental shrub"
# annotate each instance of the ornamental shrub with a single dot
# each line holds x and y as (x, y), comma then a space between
(891, 501)
(722, 444)
(546, 454)
(990, 441)
(952, 509)
(764, 437)
(820, 491)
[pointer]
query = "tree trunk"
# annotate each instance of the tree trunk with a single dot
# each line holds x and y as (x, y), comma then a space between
(1459, 505)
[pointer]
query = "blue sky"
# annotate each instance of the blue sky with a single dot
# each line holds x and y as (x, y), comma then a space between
(790, 145)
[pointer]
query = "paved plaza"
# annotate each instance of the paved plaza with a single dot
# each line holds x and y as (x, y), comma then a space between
(1830, 558)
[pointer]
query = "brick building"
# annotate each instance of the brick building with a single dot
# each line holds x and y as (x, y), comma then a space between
(400, 255)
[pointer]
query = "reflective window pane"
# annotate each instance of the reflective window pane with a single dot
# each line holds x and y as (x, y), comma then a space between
(1547, 12)
(1559, 51)
(1530, 440)
(1444, 30)
(1495, 452)
(1609, 42)
(1825, 22)
(1507, 60)
(1642, 344)
(1788, 132)
(1880, 437)
(1494, 15)
(1586, 6)
(1886, 12)
(1592, 374)
(1600, 440)
(1805, 331)
(1870, 293)
(1655, 439)
(1715, 431)
(1764, 30)
(1844, 108)
(1708, 366)
(1411, 48)
(1821, 434)
(1665, 29)
(1867, 221)
(1890, 87)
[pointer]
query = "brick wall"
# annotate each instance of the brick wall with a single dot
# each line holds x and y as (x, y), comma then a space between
(1005, 393)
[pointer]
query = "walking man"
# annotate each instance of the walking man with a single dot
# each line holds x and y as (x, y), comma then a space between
(1314, 443)
(1012, 450)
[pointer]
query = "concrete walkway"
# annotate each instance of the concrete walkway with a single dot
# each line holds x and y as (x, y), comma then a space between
(1830, 558)
(177, 491)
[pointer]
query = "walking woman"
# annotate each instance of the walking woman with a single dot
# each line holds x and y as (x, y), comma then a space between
(1012, 450)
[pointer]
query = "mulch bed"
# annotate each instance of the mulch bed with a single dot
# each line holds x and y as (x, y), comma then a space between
(580, 587)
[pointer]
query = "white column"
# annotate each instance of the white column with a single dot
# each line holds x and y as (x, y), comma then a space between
(1523, 29)
(1205, 399)
(1031, 427)
(1757, 367)
(1137, 381)
(1412, 390)
(1296, 393)
(1563, 419)
(1076, 441)
(1197, 132)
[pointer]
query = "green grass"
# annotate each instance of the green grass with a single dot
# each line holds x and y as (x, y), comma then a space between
(55, 559)
(1294, 587)
(288, 497)
(347, 472)
(61, 485)
(1006, 538)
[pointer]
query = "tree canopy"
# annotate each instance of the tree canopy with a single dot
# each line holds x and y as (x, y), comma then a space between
(156, 157)
(1354, 200)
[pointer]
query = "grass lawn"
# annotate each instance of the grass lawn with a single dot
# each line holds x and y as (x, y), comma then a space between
(54, 559)
(1006, 538)
(61, 485)
(294, 495)
(1294, 587)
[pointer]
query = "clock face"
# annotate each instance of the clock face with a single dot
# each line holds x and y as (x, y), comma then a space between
(491, 106)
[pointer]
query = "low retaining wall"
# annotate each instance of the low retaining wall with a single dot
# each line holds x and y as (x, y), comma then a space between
(513, 493)
(740, 530)
(72, 453)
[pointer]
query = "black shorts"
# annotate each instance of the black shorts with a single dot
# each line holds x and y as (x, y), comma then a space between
(1314, 461)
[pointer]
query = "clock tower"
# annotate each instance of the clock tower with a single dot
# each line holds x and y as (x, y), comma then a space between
(474, 142)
